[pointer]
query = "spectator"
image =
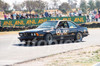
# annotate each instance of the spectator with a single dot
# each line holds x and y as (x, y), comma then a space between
(27, 15)
(88, 20)
(46, 14)
(9, 16)
(53, 14)
(71, 14)
(30, 15)
(49, 14)
(42, 15)
(14, 15)
(5, 16)
(74, 13)
(36, 15)
(24, 15)
(57, 14)
(17, 16)
(33, 16)
(95, 12)
(96, 17)
(80, 12)
(93, 17)
(99, 13)
(90, 16)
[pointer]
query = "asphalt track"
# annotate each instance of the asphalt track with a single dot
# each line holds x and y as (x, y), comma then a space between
(13, 51)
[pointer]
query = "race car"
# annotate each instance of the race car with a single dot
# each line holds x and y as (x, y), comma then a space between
(54, 30)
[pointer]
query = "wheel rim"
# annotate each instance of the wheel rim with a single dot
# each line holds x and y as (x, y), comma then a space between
(49, 39)
(79, 37)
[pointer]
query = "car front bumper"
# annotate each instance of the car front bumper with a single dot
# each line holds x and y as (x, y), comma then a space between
(26, 38)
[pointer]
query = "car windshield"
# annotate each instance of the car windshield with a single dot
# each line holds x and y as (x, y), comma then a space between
(48, 24)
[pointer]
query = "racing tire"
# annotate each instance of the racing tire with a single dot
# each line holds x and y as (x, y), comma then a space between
(48, 38)
(28, 43)
(67, 41)
(25, 43)
(41, 42)
(54, 42)
(78, 37)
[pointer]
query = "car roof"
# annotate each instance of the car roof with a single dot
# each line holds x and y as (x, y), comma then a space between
(63, 20)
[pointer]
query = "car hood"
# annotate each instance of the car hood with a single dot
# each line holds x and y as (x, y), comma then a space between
(35, 30)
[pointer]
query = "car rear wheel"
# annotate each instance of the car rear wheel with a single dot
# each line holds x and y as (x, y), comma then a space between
(48, 38)
(79, 37)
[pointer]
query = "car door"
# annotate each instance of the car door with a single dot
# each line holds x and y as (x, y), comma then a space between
(72, 29)
(62, 30)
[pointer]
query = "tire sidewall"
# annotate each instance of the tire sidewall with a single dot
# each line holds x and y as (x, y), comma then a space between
(39, 43)
(46, 36)
(81, 37)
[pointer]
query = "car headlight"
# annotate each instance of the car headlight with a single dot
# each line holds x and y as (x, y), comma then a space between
(36, 34)
(20, 34)
(32, 34)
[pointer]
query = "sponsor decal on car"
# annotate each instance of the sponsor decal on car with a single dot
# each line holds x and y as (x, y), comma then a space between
(65, 32)
(58, 32)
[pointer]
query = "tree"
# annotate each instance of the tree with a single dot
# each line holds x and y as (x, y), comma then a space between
(83, 6)
(40, 4)
(91, 4)
(34, 5)
(46, 5)
(17, 7)
(64, 7)
(55, 3)
(98, 4)
(30, 5)
(4, 6)
(0, 4)
(72, 3)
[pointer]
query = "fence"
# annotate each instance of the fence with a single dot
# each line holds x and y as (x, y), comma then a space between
(38, 21)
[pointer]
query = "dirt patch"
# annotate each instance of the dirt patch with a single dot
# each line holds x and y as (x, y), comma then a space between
(11, 32)
(80, 57)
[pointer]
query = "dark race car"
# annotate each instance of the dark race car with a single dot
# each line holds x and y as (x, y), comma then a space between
(54, 30)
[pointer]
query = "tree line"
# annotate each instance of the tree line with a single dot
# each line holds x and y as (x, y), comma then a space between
(39, 5)
(36, 5)
(89, 6)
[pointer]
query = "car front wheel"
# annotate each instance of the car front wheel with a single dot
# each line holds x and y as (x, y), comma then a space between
(48, 38)
(79, 37)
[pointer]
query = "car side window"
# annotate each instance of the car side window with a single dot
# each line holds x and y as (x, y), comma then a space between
(66, 25)
(63, 25)
(71, 25)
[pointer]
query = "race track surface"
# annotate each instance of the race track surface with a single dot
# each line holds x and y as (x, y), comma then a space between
(13, 51)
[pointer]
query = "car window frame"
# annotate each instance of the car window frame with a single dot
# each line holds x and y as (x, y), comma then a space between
(62, 21)
(51, 21)
(72, 23)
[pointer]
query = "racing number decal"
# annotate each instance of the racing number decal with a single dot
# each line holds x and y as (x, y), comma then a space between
(61, 32)
(65, 32)
(58, 32)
